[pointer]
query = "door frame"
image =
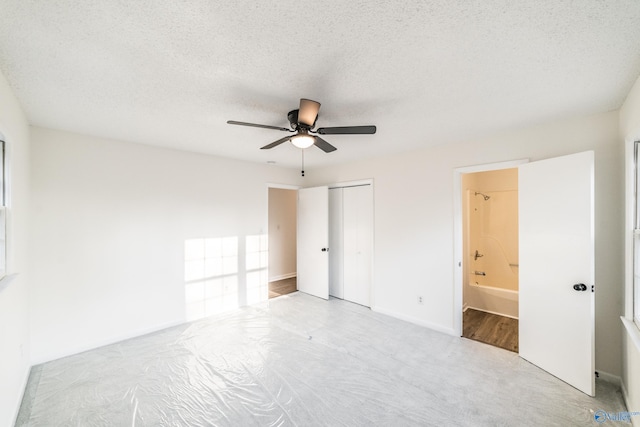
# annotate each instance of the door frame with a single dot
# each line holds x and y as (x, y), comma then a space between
(340, 184)
(458, 235)
(281, 187)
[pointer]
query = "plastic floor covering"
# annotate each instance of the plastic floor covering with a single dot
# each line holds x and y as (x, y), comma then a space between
(302, 361)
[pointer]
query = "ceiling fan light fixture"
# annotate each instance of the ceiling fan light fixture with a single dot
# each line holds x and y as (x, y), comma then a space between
(303, 141)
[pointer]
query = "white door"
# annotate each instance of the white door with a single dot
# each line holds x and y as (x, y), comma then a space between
(313, 241)
(556, 231)
(358, 243)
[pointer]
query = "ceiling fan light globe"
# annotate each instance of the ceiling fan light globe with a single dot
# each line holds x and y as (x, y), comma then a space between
(303, 141)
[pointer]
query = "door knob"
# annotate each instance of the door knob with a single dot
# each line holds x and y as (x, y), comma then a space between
(580, 287)
(325, 249)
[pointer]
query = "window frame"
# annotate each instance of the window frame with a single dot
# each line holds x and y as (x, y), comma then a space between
(635, 288)
(3, 209)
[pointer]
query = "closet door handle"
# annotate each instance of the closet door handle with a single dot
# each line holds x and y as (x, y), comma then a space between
(325, 249)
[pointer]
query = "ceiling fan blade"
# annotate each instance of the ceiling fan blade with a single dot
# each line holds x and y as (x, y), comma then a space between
(324, 145)
(276, 143)
(308, 112)
(347, 130)
(255, 125)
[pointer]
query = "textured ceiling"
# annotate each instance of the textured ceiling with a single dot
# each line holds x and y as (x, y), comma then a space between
(171, 73)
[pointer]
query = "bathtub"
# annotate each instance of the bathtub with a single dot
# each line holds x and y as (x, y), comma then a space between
(492, 300)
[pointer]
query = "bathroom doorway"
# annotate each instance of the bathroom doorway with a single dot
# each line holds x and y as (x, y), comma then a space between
(490, 257)
(556, 253)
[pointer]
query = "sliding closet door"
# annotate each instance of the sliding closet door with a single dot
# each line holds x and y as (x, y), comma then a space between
(336, 244)
(357, 212)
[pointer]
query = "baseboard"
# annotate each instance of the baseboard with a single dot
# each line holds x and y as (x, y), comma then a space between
(283, 276)
(635, 420)
(610, 378)
(466, 307)
(625, 395)
(415, 321)
(25, 382)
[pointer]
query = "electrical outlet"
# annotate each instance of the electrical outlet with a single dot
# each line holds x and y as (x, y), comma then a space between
(420, 300)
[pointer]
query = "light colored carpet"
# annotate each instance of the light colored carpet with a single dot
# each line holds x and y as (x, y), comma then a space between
(300, 360)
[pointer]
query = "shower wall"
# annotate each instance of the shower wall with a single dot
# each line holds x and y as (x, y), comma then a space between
(490, 204)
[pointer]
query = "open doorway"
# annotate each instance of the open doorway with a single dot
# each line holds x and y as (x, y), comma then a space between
(282, 241)
(490, 257)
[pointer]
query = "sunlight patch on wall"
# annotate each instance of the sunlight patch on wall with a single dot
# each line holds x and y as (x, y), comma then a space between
(211, 276)
(257, 261)
(224, 273)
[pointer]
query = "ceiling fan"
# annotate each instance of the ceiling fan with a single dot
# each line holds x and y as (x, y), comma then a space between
(303, 121)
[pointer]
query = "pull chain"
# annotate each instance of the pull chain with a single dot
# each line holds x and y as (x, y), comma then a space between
(302, 161)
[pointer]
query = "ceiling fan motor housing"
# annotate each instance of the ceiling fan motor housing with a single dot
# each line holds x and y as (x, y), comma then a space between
(295, 124)
(293, 118)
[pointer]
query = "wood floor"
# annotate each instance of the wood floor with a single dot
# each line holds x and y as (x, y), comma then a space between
(282, 287)
(491, 329)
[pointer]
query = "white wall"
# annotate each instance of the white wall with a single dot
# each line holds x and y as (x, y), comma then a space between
(110, 220)
(630, 132)
(282, 233)
(414, 219)
(14, 291)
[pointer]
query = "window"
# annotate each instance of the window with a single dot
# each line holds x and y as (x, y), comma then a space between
(3, 215)
(636, 236)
